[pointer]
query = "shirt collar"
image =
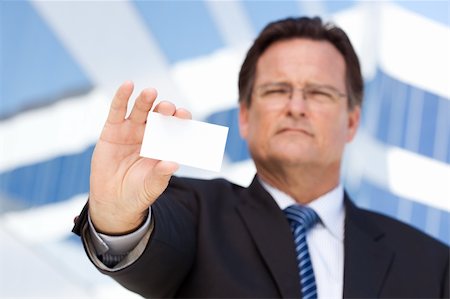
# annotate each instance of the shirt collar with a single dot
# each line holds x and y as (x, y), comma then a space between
(329, 207)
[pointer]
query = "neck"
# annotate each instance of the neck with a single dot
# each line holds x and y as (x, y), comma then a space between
(304, 184)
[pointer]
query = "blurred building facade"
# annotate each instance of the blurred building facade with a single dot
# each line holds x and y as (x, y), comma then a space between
(62, 61)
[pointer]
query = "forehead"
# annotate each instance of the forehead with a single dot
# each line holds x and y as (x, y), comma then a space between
(301, 61)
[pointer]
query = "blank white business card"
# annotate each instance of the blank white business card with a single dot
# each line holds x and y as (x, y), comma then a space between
(188, 142)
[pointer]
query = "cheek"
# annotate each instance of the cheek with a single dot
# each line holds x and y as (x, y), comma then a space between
(261, 128)
(256, 122)
(333, 129)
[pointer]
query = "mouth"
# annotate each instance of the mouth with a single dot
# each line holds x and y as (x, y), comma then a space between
(293, 130)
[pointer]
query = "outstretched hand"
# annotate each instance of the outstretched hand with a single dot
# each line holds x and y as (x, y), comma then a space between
(123, 185)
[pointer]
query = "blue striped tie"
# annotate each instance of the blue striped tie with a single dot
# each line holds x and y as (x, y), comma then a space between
(301, 219)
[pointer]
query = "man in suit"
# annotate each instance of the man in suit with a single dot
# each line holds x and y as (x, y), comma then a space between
(300, 94)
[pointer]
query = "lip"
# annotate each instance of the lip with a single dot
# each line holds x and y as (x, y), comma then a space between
(295, 130)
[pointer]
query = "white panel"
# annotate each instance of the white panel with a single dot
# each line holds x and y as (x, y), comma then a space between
(360, 22)
(111, 43)
(41, 262)
(415, 49)
(419, 178)
(65, 127)
(209, 82)
(401, 172)
(232, 22)
(313, 8)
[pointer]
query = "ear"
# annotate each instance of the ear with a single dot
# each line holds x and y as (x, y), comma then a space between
(354, 117)
(243, 120)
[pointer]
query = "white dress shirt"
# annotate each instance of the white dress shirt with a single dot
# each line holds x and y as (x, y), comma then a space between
(325, 240)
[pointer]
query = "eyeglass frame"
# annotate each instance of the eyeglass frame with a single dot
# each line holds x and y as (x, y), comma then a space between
(329, 91)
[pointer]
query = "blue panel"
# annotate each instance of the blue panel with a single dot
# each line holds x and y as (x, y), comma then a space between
(438, 11)
(335, 6)
(370, 98)
(75, 240)
(445, 227)
(428, 128)
(383, 91)
(442, 151)
(386, 203)
(35, 67)
(379, 200)
(419, 216)
(183, 29)
(236, 148)
(385, 98)
(263, 12)
(49, 181)
(397, 117)
(448, 152)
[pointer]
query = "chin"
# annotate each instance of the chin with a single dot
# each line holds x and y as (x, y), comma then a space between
(293, 157)
(293, 147)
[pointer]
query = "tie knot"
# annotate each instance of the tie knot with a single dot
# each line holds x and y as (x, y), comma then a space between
(301, 215)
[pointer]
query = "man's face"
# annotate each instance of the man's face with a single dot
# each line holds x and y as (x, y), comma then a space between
(299, 113)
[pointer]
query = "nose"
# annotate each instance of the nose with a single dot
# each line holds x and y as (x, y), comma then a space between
(297, 103)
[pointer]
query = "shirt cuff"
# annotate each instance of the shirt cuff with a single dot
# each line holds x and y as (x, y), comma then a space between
(118, 245)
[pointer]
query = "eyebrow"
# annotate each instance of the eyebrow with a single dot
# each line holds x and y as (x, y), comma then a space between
(269, 84)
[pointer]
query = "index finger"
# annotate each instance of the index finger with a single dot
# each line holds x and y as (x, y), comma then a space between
(118, 108)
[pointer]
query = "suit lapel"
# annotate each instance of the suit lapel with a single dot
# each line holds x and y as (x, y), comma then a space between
(270, 231)
(367, 257)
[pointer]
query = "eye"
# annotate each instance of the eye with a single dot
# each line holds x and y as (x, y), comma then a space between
(276, 91)
(318, 94)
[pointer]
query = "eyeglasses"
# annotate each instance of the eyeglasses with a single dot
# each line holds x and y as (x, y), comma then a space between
(279, 94)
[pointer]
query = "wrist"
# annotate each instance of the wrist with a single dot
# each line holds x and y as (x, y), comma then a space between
(115, 222)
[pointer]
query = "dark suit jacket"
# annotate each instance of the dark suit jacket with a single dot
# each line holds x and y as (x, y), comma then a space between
(216, 239)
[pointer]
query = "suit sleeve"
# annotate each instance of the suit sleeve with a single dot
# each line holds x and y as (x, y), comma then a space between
(446, 281)
(168, 256)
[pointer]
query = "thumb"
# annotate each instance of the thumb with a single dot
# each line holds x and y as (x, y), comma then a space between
(158, 179)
